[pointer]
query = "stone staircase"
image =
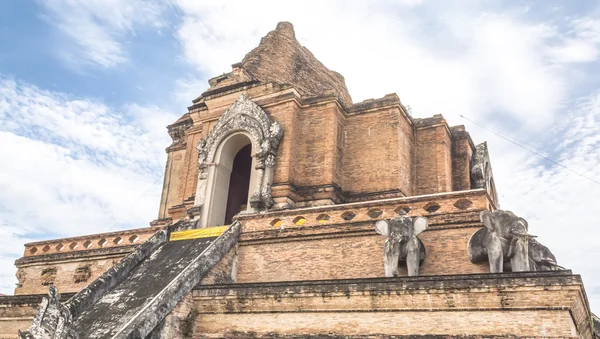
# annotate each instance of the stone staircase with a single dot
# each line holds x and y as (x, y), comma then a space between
(133, 297)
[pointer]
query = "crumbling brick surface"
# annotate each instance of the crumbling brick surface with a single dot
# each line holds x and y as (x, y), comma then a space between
(536, 304)
(433, 157)
(280, 58)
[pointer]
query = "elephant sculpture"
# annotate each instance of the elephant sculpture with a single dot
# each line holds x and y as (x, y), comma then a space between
(402, 244)
(540, 257)
(506, 244)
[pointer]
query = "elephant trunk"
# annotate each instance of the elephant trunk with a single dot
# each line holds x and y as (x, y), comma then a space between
(391, 255)
(520, 253)
(413, 257)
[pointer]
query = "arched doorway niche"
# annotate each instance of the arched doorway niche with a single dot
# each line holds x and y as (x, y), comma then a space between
(220, 177)
(243, 123)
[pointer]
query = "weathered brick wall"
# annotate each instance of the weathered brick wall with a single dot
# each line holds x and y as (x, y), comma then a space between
(521, 324)
(378, 152)
(189, 169)
(225, 272)
(314, 145)
(72, 263)
(349, 256)
(14, 318)
(285, 171)
(433, 156)
(516, 304)
(170, 196)
(69, 276)
(333, 258)
(179, 323)
(462, 150)
(323, 249)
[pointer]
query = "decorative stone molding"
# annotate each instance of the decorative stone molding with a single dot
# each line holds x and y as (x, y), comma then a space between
(177, 132)
(247, 117)
(481, 172)
(53, 319)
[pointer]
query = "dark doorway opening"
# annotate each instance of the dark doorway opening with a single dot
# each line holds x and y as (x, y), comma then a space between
(239, 183)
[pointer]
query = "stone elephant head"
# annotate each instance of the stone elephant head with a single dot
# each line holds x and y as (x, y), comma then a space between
(504, 239)
(402, 244)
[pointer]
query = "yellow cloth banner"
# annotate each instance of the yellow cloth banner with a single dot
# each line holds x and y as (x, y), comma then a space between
(198, 233)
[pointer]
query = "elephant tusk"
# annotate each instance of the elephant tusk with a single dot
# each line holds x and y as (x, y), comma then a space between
(523, 235)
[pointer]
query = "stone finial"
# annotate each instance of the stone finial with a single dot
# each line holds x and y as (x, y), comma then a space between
(286, 28)
(280, 58)
(53, 319)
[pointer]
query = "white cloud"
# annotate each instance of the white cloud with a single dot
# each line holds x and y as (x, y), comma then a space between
(581, 43)
(74, 166)
(454, 60)
(97, 29)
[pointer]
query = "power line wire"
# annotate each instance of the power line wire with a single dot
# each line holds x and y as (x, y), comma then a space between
(532, 151)
(138, 200)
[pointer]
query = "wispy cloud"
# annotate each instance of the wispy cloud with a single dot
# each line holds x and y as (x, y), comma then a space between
(74, 166)
(559, 205)
(472, 59)
(96, 31)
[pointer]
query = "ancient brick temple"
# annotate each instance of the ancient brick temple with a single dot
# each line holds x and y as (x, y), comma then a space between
(289, 211)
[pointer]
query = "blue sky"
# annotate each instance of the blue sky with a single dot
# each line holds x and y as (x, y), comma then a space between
(88, 86)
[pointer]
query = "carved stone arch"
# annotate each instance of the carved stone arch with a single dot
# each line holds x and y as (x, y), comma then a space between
(247, 118)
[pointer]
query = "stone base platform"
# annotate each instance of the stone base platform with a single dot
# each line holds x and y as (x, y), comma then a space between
(529, 304)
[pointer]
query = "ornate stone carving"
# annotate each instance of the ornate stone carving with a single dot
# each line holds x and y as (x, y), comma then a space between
(53, 319)
(266, 197)
(201, 149)
(506, 244)
(177, 132)
(243, 115)
(402, 244)
(481, 171)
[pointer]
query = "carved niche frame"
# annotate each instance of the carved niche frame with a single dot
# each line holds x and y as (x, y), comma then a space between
(243, 120)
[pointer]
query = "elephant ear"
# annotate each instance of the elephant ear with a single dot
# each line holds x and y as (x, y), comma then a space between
(382, 227)
(420, 224)
(487, 219)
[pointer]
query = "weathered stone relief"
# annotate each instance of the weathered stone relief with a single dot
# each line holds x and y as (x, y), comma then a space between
(82, 274)
(53, 319)
(481, 172)
(243, 115)
(507, 245)
(48, 276)
(177, 132)
(402, 244)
